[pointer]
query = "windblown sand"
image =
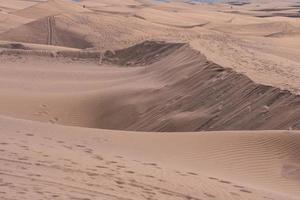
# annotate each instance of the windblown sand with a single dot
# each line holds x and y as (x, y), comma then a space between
(135, 99)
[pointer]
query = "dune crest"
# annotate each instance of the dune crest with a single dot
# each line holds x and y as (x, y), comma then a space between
(191, 95)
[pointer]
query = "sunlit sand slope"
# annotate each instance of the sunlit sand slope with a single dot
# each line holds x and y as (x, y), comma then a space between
(41, 161)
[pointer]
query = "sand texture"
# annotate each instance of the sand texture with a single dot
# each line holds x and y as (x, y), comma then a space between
(139, 99)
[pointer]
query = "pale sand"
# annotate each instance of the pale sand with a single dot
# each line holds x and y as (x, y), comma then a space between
(212, 104)
(40, 161)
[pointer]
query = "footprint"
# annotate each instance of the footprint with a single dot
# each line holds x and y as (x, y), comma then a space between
(89, 151)
(111, 162)
(148, 176)
(246, 191)
(227, 182)
(238, 186)
(101, 167)
(120, 182)
(192, 173)
(151, 164)
(54, 120)
(43, 106)
(166, 193)
(92, 174)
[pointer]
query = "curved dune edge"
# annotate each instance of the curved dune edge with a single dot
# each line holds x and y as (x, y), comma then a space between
(168, 84)
(41, 160)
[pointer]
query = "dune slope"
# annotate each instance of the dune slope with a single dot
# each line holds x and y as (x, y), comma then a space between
(171, 85)
(46, 161)
(49, 8)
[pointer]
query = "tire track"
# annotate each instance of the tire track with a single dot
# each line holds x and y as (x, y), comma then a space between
(50, 24)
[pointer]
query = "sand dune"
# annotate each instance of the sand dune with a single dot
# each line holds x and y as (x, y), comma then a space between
(174, 97)
(88, 30)
(265, 29)
(46, 31)
(11, 21)
(174, 18)
(46, 161)
(140, 99)
(10, 6)
(49, 8)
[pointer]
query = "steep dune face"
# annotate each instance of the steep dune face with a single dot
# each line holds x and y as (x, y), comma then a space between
(171, 85)
(200, 95)
(145, 53)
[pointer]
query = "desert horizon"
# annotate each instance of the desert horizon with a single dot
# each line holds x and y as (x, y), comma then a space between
(148, 99)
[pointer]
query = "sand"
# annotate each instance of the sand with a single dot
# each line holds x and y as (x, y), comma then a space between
(46, 161)
(146, 100)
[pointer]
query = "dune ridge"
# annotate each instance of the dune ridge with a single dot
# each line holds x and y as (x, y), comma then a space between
(189, 93)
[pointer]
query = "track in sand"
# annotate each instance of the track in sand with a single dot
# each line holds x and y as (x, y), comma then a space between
(51, 21)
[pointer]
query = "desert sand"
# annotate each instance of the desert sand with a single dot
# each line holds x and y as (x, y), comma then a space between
(140, 99)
